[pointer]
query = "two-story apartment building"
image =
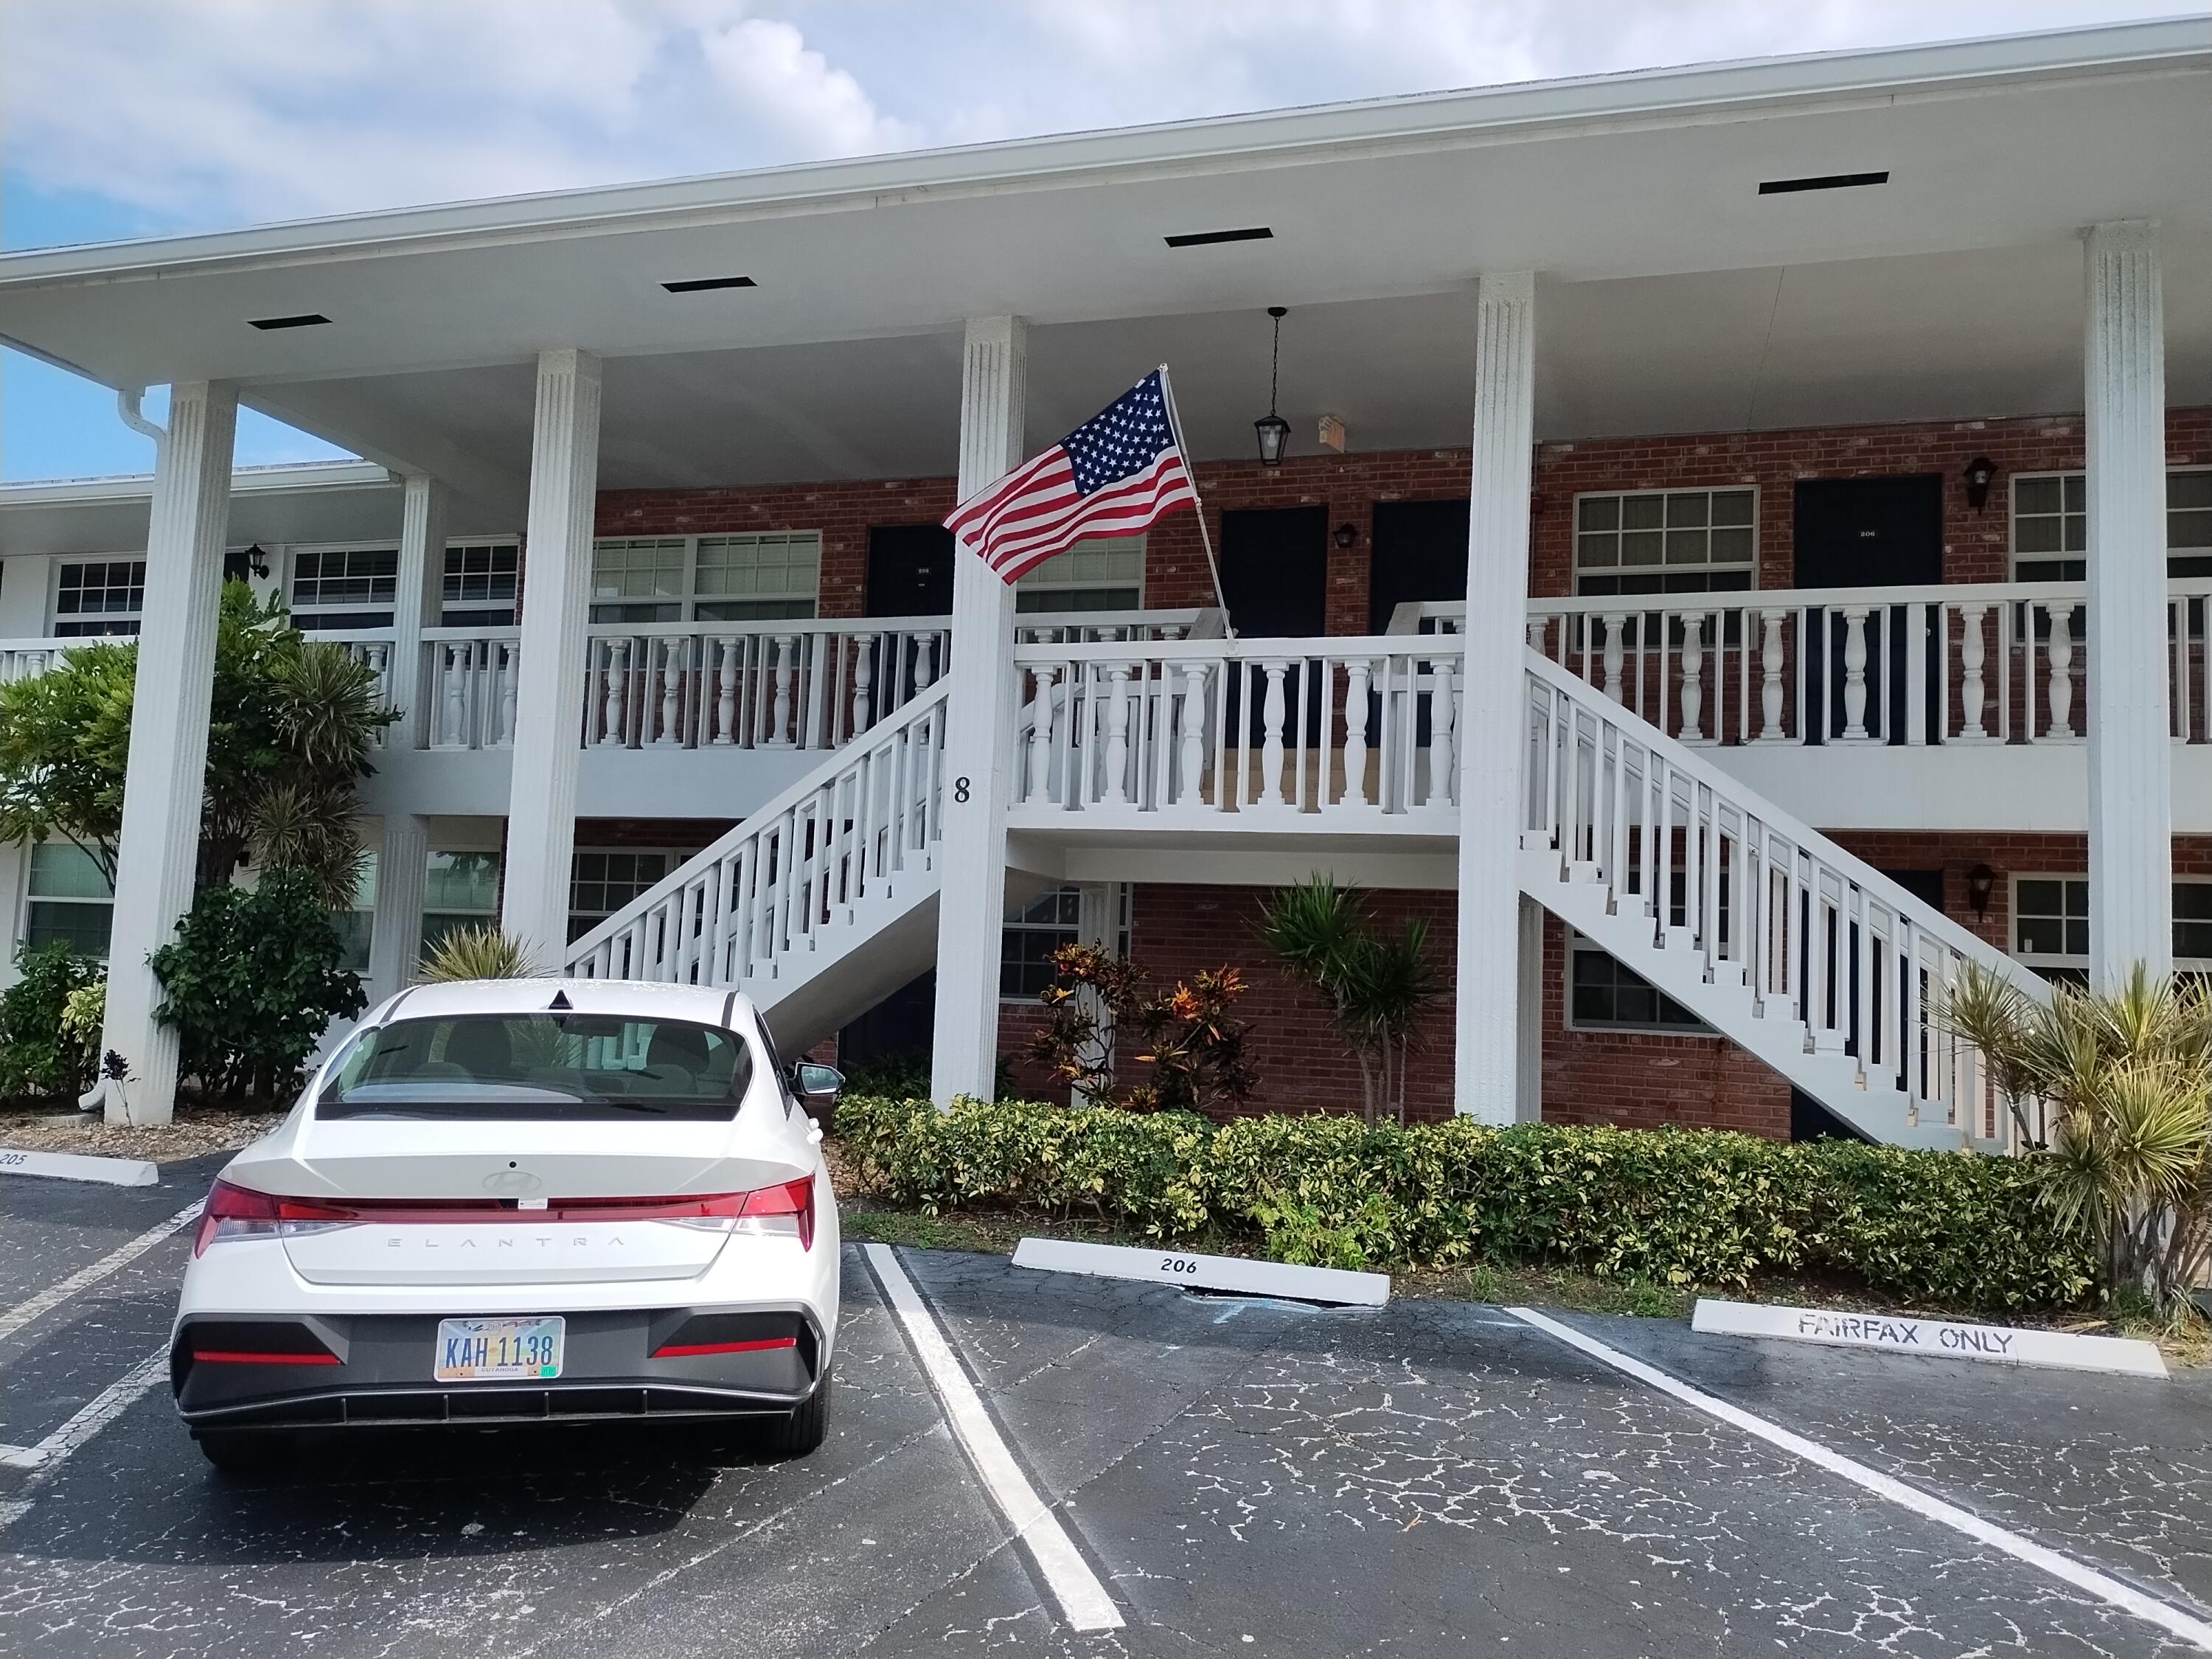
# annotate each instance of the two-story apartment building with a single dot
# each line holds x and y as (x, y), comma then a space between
(1741, 554)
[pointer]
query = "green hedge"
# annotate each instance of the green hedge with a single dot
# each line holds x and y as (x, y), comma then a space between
(1676, 1207)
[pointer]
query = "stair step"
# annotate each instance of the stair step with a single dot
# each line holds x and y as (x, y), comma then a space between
(1582, 872)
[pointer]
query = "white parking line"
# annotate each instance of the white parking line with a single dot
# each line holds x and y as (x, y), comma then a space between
(54, 1295)
(1082, 1598)
(2064, 1568)
(118, 1397)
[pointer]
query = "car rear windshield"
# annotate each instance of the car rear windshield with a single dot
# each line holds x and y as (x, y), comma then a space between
(564, 1067)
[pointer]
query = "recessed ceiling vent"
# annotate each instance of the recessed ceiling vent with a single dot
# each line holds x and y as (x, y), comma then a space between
(1824, 182)
(305, 320)
(1207, 237)
(700, 284)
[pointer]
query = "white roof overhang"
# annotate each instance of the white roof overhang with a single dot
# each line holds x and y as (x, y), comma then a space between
(1675, 296)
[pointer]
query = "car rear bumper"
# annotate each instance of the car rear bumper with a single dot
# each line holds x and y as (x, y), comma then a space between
(375, 1370)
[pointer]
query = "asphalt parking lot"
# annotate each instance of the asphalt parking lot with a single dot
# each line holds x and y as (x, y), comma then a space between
(1233, 1477)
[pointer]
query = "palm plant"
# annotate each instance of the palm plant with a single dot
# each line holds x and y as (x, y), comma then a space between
(1377, 987)
(2125, 1079)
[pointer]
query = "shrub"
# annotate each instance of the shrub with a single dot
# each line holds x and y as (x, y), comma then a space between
(251, 979)
(1096, 1004)
(39, 1052)
(1673, 1206)
(482, 952)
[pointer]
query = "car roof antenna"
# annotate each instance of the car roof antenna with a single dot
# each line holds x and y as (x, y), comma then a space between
(560, 1001)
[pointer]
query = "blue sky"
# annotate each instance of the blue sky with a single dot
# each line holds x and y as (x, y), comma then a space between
(139, 118)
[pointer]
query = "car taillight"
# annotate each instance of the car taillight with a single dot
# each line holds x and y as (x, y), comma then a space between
(786, 1208)
(240, 1213)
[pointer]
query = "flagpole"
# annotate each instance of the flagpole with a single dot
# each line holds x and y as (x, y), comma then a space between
(1198, 504)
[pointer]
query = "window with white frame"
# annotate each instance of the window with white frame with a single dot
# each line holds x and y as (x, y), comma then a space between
(1106, 572)
(459, 889)
(69, 899)
(1603, 995)
(95, 597)
(2051, 525)
(1047, 922)
(2050, 925)
(343, 586)
(603, 879)
(763, 577)
(1666, 541)
(482, 578)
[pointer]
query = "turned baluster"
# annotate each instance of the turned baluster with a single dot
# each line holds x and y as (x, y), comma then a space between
(1193, 757)
(925, 662)
(864, 682)
(1855, 662)
(674, 659)
(503, 658)
(1693, 668)
(1970, 660)
(2061, 699)
(726, 690)
(1117, 735)
(1444, 751)
(1044, 725)
(1355, 732)
(785, 674)
(454, 733)
(1770, 674)
(1271, 744)
(1615, 627)
(617, 698)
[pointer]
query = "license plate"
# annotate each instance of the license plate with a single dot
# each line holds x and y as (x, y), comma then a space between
(498, 1350)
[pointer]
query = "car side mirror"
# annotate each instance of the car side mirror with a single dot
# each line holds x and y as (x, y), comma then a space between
(817, 1083)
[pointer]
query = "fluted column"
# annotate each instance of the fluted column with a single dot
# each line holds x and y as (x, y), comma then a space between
(2130, 758)
(420, 602)
(1486, 1069)
(541, 813)
(166, 770)
(978, 731)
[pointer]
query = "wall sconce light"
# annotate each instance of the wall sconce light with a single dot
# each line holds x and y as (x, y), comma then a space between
(1981, 882)
(1344, 535)
(1272, 430)
(254, 562)
(1980, 473)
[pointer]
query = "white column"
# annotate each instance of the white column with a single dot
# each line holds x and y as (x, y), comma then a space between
(166, 773)
(541, 813)
(1486, 1069)
(2130, 759)
(1098, 922)
(971, 901)
(395, 947)
(419, 602)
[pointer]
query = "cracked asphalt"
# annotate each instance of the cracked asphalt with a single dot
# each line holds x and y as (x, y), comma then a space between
(1244, 1477)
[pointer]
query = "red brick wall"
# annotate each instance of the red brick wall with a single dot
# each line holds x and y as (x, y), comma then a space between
(1175, 575)
(1974, 542)
(842, 512)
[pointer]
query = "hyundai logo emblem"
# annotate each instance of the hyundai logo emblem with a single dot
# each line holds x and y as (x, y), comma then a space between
(511, 1183)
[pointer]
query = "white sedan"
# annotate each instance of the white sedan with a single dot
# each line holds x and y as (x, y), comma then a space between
(518, 1201)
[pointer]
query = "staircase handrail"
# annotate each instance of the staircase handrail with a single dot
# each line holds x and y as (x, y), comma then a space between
(1686, 762)
(886, 730)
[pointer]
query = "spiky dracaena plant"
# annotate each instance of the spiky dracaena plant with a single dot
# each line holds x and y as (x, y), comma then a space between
(2125, 1079)
(477, 953)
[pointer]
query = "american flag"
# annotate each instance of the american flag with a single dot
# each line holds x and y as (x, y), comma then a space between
(1112, 476)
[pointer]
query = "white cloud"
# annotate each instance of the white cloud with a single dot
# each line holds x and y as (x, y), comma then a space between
(223, 112)
(822, 111)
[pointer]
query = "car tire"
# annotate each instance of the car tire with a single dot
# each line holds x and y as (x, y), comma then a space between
(799, 1433)
(245, 1451)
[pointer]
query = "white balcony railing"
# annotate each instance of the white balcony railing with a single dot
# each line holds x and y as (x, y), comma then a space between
(1995, 663)
(1268, 728)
